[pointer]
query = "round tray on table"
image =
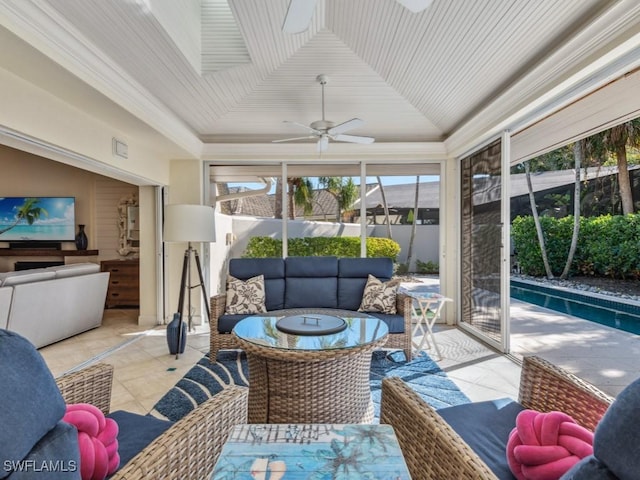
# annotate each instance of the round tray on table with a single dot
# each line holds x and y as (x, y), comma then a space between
(311, 324)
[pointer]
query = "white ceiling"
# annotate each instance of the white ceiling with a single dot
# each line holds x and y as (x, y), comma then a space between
(450, 72)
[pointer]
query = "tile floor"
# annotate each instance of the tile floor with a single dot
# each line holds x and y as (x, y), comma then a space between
(144, 370)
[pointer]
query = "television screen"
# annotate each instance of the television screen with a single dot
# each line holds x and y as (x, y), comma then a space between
(37, 219)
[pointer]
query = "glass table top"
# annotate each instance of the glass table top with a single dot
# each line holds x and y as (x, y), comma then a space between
(262, 330)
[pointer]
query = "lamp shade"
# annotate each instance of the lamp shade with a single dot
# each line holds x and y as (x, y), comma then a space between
(189, 223)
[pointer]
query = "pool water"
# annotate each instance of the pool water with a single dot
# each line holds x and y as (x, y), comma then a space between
(610, 312)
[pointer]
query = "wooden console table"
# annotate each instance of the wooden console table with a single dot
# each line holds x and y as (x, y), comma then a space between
(124, 283)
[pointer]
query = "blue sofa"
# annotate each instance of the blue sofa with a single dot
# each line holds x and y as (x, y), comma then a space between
(315, 283)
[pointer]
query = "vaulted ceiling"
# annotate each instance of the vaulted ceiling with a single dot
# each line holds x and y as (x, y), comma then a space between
(226, 73)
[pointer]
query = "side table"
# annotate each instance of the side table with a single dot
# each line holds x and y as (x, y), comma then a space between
(429, 305)
(301, 451)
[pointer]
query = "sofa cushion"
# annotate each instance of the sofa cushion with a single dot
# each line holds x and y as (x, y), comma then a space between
(352, 278)
(28, 276)
(136, 432)
(485, 427)
(245, 297)
(226, 322)
(33, 405)
(55, 456)
(395, 322)
(75, 269)
(379, 296)
(273, 271)
(311, 282)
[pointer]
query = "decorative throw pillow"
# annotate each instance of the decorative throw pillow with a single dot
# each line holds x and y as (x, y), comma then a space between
(378, 296)
(245, 297)
(97, 439)
(546, 445)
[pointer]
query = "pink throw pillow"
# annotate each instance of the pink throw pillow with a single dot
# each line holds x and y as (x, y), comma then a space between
(98, 440)
(544, 446)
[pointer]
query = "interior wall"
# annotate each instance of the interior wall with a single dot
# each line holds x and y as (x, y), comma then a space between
(97, 196)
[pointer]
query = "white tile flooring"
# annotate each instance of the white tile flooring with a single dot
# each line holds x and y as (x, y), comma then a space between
(144, 370)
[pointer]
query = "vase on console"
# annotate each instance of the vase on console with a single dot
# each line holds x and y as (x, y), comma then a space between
(81, 239)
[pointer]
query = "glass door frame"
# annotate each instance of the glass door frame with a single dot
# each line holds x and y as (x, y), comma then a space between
(503, 344)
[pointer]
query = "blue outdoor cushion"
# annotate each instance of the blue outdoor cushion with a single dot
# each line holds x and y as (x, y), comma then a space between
(31, 403)
(55, 456)
(311, 267)
(352, 278)
(615, 442)
(312, 282)
(485, 427)
(589, 468)
(227, 321)
(273, 271)
(395, 322)
(135, 432)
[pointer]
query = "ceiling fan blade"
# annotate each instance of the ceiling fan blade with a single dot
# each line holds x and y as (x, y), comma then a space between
(345, 126)
(353, 139)
(292, 139)
(298, 16)
(415, 5)
(306, 127)
(323, 143)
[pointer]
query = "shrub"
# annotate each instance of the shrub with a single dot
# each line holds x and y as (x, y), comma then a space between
(607, 245)
(322, 246)
(427, 267)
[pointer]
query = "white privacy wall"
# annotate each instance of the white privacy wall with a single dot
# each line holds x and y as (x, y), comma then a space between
(234, 232)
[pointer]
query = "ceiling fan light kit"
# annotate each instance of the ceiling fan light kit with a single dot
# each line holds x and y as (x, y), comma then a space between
(325, 130)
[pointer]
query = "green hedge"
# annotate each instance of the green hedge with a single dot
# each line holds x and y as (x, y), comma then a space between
(322, 246)
(607, 245)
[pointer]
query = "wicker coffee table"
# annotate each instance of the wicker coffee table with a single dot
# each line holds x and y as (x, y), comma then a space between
(310, 378)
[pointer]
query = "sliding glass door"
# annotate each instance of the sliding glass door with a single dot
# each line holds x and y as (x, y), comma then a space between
(484, 234)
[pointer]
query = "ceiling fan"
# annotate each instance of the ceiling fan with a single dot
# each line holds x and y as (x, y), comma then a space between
(325, 130)
(300, 12)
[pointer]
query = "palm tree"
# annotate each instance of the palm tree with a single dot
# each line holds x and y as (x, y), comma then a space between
(301, 195)
(413, 224)
(536, 220)
(385, 206)
(28, 211)
(578, 154)
(344, 191)
(300, 192)
(616, 140)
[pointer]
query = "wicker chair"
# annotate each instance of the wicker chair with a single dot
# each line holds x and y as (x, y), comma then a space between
(433, 450)
(188, 449)
(225, 340)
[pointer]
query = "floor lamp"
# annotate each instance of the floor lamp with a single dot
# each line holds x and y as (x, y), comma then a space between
(190, 224)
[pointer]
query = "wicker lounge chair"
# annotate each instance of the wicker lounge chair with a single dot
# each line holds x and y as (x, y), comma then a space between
(33, 405)
(433, 450)
(188, 449)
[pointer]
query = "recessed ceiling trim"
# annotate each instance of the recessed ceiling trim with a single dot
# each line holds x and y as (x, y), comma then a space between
(376, 152)
(43, 28)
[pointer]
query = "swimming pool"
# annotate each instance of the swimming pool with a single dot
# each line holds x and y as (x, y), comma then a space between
(596, 308)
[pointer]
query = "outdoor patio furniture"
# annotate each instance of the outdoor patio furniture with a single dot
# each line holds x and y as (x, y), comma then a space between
(33, 404)
(311, 282)
(310, 378)
(432, 441)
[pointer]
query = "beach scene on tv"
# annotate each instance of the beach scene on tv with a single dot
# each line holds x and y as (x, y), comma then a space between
(37, 219)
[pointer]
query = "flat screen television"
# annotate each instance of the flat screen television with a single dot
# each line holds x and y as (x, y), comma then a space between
(35, 219)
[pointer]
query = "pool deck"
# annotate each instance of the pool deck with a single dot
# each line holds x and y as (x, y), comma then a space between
(606, 357)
